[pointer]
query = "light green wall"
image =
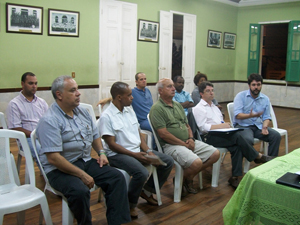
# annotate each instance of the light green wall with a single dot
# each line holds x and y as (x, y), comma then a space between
(49, 57)
(247, 15)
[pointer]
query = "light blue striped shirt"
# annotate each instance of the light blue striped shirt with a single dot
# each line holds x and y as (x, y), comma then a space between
(181, 97)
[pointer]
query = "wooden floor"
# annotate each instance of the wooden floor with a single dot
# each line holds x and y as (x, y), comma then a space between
(202, 208)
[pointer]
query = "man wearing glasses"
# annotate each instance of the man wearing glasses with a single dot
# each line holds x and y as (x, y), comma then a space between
(208, 118)
(252, 111)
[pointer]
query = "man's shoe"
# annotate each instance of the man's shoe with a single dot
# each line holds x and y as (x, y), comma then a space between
(150, 200)
(188, 184)
(133, 213)
(234, 182)
(264, 159)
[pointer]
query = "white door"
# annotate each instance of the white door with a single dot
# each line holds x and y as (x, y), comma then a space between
(188, 51)
(117, 44)
(165, 44)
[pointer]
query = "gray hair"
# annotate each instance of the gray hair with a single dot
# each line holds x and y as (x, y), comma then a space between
(58, 84)
(160, 83)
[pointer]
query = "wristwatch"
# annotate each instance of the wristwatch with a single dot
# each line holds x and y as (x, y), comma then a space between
(192, 138)
(149, 150)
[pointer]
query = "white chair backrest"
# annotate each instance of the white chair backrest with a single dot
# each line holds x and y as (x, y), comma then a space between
(155, 137)
(2, 120)
(273, 117)
(33, 141)
(6, 167)
(230, 109)
(102, 108)
(90, 109)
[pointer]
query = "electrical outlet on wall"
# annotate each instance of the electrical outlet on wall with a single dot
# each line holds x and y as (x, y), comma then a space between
(73, 74)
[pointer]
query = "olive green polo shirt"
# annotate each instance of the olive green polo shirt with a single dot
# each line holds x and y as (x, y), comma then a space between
(173, 118)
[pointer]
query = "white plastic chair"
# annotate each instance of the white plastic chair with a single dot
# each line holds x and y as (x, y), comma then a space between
(263, 146)
(90, 109)
(151, 169)
(14, 198)
(282, 132)
(4, 126)
(178, 170)
(67, 215)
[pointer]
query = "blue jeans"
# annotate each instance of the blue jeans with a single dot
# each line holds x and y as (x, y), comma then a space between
(77, 193)
(139, 174)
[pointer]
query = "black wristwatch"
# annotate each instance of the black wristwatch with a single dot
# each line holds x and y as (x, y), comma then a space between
(192, 138)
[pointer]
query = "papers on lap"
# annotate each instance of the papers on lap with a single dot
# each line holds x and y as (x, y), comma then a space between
(155, 160)
(226, 130)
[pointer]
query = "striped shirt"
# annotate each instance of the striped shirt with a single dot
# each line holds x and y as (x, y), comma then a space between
(23, 113)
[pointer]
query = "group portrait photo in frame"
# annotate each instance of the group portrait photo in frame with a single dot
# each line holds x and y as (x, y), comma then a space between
(214, 39)
(63, 23)
(229, 40)
(148, 31)
(24, 19)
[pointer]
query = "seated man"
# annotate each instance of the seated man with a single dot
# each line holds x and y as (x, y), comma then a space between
(182, 96)
(175, 135)
(24, 111)
(67, 134)
(142, 100)
(208, 117)
(198, 79)
(126, 148)
(252, 111)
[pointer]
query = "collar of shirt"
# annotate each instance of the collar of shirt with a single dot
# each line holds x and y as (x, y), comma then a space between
(25, 99)
(116, 111)
(249, 95)
(165, 104)
(75, 110)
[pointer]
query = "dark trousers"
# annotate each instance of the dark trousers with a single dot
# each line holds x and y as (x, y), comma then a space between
(274, 138)
(77, 193)
(139, 174)
(236, 145)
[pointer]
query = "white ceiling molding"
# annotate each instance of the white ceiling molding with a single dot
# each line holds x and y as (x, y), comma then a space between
(243, 3)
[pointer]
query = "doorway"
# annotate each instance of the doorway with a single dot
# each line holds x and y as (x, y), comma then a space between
(177, 45)
(274, 51)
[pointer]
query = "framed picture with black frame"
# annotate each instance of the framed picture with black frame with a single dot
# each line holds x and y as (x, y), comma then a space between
(63, 23)
(148, 31)
(229, 40)
(24, 19)
(214, 39)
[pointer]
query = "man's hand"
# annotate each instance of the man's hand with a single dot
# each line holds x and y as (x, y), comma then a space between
(253, 114)
(190, 144)
(87, 180)
(102, 160)
(141, 157)
(264, 131)
(102, 102)
(225, 125)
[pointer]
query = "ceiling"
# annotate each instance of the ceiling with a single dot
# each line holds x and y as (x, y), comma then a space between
(243, 3)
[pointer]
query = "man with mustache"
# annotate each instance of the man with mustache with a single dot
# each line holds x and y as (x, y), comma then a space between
(252, 111)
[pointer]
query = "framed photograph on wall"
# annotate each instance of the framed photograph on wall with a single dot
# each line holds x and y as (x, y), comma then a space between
(214, 39)
(63, 23)
(229, 40)
(24, 19)
(148, 31)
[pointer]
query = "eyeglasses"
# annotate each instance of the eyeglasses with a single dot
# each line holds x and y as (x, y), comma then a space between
(209, 91)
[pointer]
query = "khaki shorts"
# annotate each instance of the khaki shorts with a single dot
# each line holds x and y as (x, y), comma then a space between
(185, 157)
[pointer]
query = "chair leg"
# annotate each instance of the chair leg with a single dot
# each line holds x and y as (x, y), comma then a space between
(223, 157)
(15, 172)
(21, 217)
(156, 184)
(286, 144)
(246, 166)
(178, 182)
(46, 211)
(99, 195)
(216, 173)
(200, 180)
(19, 163)
(67, 215)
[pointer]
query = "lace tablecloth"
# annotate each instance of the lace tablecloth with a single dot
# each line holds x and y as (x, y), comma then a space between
(259, 200)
